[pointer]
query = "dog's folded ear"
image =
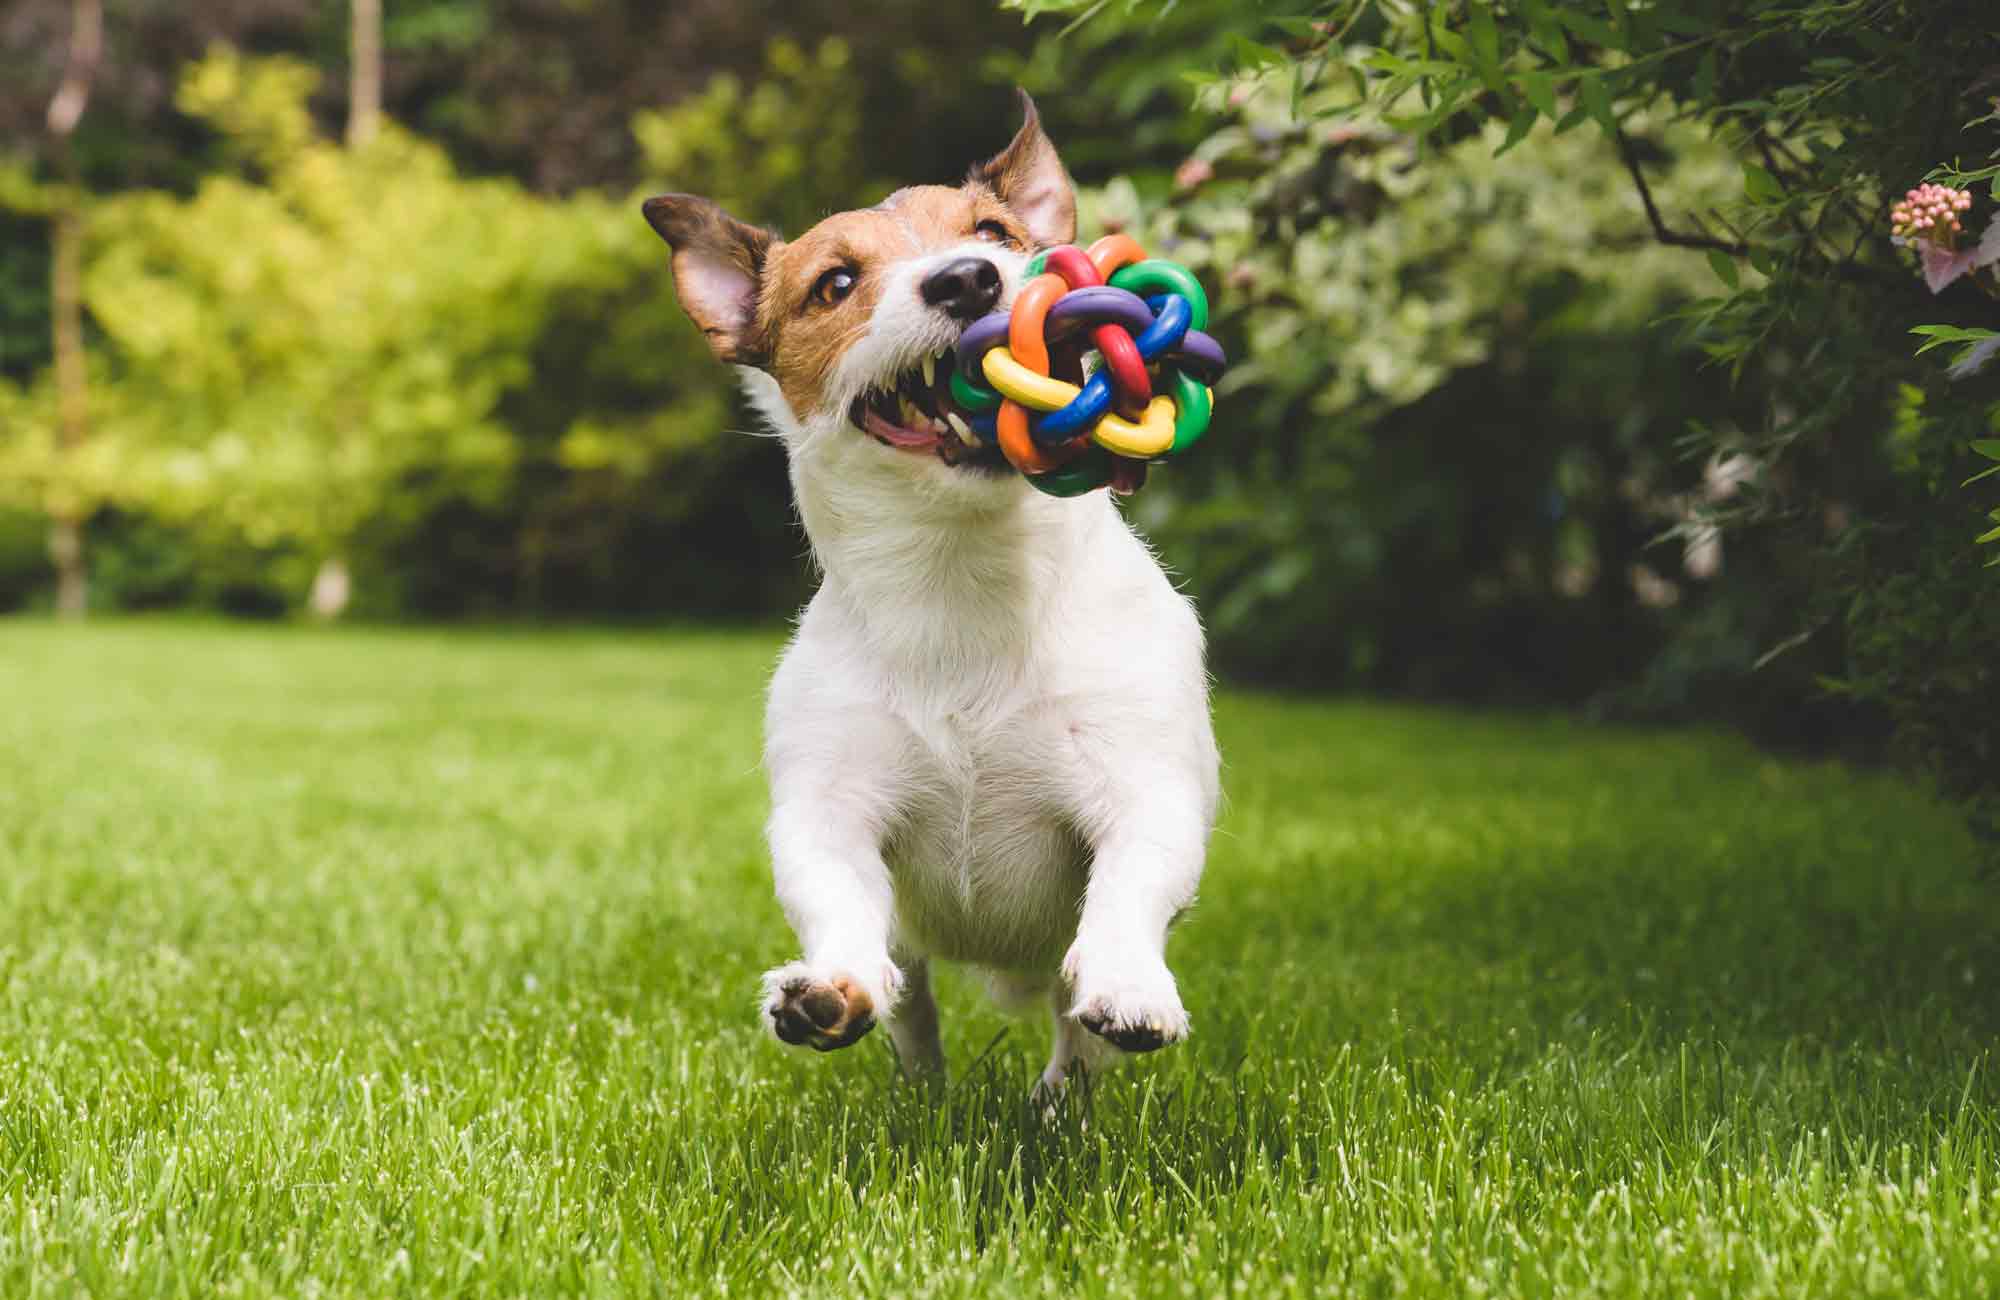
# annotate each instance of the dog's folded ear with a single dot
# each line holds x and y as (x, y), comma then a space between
(1029, 178)
(718, 270)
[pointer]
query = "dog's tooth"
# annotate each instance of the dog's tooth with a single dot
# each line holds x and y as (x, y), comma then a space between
(930, 371)
(962, 429)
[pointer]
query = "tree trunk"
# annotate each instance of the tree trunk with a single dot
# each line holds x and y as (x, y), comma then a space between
(333, 587)
(333, 584)
(364, 85)
(72, 408)
(66, 508)
(72, 579)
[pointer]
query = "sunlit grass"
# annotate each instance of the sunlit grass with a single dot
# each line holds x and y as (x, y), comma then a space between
(384, 963)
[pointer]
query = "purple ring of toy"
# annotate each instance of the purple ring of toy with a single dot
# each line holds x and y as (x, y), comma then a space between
(980, 337)
(1198, 353)
(1104, 305)
(1099, 304)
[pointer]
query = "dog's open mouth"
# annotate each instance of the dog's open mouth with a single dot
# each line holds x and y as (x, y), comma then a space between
(915, 413)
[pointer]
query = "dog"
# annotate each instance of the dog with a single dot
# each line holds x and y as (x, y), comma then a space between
(989, 740)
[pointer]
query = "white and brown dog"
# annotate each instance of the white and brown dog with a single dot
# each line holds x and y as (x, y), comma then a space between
(989, 741)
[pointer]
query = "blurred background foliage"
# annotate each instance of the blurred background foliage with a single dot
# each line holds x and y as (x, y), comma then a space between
(1504, 425)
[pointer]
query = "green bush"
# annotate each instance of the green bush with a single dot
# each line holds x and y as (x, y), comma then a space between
(1758, 143)
(481, 400)
(1448, 438)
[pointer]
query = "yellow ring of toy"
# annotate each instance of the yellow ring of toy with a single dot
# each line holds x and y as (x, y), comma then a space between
(1012, 379)
(1150, 436)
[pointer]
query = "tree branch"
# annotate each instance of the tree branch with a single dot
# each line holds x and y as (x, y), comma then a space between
(1677, 239)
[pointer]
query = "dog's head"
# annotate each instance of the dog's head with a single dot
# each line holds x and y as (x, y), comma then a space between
(846, 332)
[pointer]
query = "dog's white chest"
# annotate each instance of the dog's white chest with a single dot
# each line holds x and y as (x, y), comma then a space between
(973, 706)
(986, 864)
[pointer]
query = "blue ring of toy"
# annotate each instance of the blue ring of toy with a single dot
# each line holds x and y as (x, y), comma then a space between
(1172, 314)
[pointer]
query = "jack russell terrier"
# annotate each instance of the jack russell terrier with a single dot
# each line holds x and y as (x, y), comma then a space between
(989, 741)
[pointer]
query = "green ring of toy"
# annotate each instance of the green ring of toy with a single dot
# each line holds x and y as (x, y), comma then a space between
(1193, 408)
(1155, 275)
(970, 396)
(1086, 473)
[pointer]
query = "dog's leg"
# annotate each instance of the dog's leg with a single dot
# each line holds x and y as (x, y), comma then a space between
(1072, 1050)
(835, 890)
(1148, 828)
(915, 1027)
(1069, 1053)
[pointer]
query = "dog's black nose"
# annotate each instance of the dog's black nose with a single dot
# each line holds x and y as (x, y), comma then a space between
(966, 288)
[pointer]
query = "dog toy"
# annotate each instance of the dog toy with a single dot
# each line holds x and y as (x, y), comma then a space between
(1021, 374)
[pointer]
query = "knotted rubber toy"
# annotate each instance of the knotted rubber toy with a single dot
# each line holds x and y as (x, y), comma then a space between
(1020, 373)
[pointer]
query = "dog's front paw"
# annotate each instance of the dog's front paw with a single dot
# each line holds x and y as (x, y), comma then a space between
(820, 1011)
(1130, 1003)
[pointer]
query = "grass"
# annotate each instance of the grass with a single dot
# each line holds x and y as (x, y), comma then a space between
(411, 963)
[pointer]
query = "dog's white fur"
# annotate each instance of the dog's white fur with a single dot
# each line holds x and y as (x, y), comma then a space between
(989, 741)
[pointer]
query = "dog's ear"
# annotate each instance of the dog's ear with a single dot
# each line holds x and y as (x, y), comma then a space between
(1029, 178)
(718, 268)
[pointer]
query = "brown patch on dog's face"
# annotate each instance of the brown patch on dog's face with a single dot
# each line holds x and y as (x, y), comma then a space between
(795, 309)
(821, 290)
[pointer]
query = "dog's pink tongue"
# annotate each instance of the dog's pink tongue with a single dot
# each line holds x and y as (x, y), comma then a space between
(896, 433)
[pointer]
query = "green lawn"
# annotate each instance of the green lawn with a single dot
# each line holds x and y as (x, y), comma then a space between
(422, 963)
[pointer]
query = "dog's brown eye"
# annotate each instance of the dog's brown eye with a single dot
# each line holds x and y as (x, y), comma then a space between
(994, 231)
(833, 286)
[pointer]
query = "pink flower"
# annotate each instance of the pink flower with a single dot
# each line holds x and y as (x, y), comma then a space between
(1928, 214)
(1193, 172)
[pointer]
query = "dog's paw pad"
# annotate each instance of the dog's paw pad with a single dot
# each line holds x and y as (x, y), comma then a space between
(1146, 1035)
(820, 1014)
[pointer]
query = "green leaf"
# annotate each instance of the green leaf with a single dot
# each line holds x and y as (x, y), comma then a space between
(1939, 335)
(1683, 24)
(1484, 36)
(1539, 89)
(1384, 61)
(1549, 36)
(1547, 33)
(1987, 447)
(1253, 55)
(1704, 79)
(1517, 130)
(1453, 44)
(1594, 30)
(1597, 102)
(1760, 185)
(1724, 267)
